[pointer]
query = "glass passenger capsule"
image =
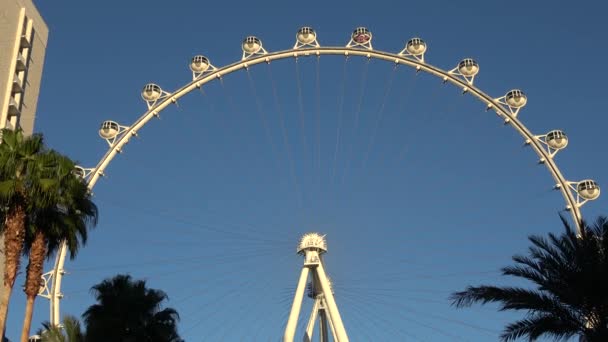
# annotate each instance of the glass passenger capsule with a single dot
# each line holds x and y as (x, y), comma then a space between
(151, 92)
(78, 171)
(556, 139)
(416, 46)
(361, 35)
(588, 189)
(306, 35)
(199, 64)
(109, 129)
(516, 98)
(252, 44)
(468, 67)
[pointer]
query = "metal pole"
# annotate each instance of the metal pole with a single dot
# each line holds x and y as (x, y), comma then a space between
(56, 287)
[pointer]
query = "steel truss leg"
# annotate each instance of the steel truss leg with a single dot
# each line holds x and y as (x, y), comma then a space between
(323, 337)
(311, 321)
(290, 330)
(332, 308)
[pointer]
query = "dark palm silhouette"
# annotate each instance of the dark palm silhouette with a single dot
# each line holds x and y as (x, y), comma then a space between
(127, 310)
(22, 187)
(570, 272)
(66, 217)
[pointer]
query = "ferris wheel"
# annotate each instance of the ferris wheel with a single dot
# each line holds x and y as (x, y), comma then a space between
(462, 75)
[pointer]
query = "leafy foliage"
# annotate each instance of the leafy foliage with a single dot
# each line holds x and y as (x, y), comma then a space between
(129, 311)
(20, 166)
(23, 186)
(66, 216)
(69, 210)
(70, 331)
(570, 272)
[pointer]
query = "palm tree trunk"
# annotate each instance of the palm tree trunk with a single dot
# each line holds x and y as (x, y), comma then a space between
(27, 322)
(4, 298)
(33, 279)
(14, 235)
(3, 289)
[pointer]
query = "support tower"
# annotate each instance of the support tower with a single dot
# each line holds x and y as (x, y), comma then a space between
(312, 246)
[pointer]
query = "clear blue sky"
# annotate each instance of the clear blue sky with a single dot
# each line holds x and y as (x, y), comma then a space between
(205, 204)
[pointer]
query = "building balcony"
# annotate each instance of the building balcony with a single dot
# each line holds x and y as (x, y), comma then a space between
(25, 42)
(13, 107)
(17, 85)
(21, 63)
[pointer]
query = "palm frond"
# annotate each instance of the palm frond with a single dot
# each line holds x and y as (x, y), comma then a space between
(570, 275)
(125, 305)
(538, 325)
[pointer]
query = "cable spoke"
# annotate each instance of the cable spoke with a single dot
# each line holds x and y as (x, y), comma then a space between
(318, 108)
(263, 118)
(286, 139)
(301, 109)
(339, 118)
(362, 89)
(379, 116)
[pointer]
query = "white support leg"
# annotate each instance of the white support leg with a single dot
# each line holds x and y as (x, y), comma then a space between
(332, 308)
(328, 322)
(290, 329)
(312, 246)
(323, 337)
(311, 321)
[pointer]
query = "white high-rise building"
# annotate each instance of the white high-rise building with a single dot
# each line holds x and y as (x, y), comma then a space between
(23, 39)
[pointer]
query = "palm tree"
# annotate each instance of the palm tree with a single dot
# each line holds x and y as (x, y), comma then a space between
(67, 218)
(129, 311)
(19, 184)
(570, 272)
(3, 288)
(69, 331)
